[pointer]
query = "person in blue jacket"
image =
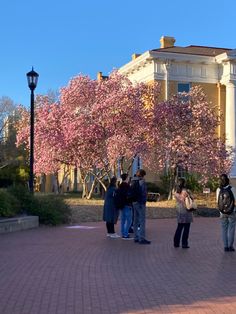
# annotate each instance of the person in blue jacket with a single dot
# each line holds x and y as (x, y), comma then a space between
(110, 213)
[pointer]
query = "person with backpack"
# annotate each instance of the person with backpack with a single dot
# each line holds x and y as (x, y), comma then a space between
(139, 198)
(225, 196)
(184, 216)
(124, 203)
(110, 212)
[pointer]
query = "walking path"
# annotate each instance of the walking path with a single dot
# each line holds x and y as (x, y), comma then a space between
(59, 270)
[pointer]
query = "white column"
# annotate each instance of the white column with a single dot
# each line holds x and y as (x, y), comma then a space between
(230, 120)
(167, 68)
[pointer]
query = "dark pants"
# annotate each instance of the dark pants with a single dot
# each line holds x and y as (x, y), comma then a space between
(185, 228)
(110, 227)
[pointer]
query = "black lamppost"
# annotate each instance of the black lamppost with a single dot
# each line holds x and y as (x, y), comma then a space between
(32, 78)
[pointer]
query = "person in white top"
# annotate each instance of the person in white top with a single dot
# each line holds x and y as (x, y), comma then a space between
(227, 220)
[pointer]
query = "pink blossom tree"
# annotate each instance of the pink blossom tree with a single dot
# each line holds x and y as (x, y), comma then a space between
(184, 135)
(94, 125)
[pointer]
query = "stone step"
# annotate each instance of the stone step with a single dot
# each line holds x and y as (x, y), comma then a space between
(18, 223)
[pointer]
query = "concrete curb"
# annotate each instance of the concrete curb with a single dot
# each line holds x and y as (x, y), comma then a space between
(20, 223)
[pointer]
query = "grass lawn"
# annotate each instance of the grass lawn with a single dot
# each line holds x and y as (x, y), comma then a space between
(84, 210)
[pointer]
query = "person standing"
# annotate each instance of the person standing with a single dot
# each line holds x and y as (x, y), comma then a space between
(225, 196)
(110, 213)
(184, 216)
(126, 206)
(139, 195)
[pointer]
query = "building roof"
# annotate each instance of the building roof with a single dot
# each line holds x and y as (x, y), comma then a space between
(194, 50)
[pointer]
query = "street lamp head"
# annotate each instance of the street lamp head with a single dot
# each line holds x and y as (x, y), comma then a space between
(32, 78)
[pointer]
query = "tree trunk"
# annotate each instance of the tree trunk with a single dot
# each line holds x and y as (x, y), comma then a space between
(85, 189)
(55, 183)
(42, 183)
(173, 181)
(91, 189)
(75, 185)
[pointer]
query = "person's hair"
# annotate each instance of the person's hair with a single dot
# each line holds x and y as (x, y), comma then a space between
(224, 180)
(141, 173)
(124, 176)
(180, 185)
(113, 181)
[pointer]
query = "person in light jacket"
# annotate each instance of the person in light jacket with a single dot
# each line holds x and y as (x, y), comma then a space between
(184, 217)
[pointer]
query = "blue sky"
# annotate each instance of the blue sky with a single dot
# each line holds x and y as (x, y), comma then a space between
(62, 39)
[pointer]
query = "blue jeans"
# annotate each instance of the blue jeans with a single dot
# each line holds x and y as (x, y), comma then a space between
(126, 220)
(139, 221)
(228, 229)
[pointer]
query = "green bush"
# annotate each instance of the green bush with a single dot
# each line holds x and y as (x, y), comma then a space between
(52, 210)
(9, 205)
(25, 198)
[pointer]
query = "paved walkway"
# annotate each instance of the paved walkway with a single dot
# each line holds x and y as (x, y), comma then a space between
(63, 271)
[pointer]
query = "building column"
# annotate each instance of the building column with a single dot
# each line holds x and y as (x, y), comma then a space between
(167, 75)
(230, 120)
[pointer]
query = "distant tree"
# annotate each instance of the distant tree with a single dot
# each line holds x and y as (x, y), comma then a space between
(7, 132)
(7, 108)
(13, 167)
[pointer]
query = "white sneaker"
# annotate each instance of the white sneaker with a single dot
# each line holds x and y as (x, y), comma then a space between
(109, 234)
(114, 236)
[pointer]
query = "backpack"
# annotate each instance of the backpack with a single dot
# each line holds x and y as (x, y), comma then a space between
(226, 201)
(135, 191)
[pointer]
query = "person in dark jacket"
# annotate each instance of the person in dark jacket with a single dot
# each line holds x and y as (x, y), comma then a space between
(110, 213)
(228, 221)
(126, 209)
(139, 205)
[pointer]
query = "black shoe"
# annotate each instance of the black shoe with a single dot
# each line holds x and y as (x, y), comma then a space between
(136, 241)
(185, 247)
(176, 245)
(231, 249)
(144, 241)
(226, 249)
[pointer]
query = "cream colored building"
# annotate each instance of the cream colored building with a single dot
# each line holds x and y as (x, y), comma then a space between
(179, 68)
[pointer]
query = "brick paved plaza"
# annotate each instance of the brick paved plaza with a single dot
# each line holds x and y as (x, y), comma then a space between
(63, 271)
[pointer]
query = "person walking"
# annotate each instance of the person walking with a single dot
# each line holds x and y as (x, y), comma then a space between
(126, 206)
(139, 195)
(110, 213)
(184, 216)
(225, 196)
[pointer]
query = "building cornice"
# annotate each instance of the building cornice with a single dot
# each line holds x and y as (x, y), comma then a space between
(182, 58)
(226, 56)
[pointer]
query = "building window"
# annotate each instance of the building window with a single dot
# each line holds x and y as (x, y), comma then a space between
(183, 87)
(181, 172)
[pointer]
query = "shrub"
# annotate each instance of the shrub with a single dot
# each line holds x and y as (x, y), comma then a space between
(25, 198)
(152, 187)
(9, 205)
(52, 210)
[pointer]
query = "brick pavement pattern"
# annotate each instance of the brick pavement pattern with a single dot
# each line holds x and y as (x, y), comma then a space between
(58, 270)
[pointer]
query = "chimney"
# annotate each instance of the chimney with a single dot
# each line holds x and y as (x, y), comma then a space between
(167, 41)
(99, 76)
(135, 55)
